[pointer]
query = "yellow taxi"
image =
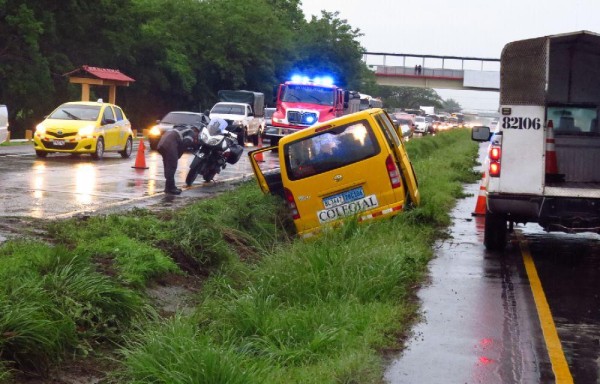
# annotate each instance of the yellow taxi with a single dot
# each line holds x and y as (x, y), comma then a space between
(355, 165)
(84, 127)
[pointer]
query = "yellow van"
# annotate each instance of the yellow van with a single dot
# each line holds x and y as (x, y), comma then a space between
(352, 165)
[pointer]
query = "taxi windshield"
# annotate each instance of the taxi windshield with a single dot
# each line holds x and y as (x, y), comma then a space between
(76, 112)
(331, 149)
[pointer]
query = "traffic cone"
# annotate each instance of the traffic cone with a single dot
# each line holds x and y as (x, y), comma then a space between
(481, 199)
(140, 160)
(259, 156)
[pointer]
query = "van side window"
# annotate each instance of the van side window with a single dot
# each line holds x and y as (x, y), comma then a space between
(388, 129)
(330, 149)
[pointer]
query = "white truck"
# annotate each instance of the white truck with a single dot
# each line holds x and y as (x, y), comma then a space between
(543, 161)
(244, 113)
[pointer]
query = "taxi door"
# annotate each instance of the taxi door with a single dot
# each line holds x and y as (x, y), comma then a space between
(110, 128)
(406, 168)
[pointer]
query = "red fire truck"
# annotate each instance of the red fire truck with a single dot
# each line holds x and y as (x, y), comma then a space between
(303, 102)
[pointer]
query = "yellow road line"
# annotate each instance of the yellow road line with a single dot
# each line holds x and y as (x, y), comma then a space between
(562, 374)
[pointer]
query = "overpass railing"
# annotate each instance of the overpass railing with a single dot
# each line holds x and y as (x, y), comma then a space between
(424, 72)
(452, 67)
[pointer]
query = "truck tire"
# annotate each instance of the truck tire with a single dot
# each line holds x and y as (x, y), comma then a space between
(495, 232)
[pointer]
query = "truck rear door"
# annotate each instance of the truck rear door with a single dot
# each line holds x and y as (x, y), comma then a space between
(523, 151)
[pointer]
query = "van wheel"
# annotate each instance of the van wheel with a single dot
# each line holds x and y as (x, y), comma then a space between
(407, 201)
(495, 232)
(41, 153)
(97, 155)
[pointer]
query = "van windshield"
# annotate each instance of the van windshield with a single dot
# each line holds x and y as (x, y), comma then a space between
(329, 150)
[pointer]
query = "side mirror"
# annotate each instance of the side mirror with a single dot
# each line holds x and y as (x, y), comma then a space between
(480, 133)
(108, 121)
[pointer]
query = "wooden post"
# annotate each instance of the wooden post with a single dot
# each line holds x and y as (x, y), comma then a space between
(112, 94)
(85, 92)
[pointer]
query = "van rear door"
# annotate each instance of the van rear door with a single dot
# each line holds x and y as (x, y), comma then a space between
(406, 168)
(268, 176)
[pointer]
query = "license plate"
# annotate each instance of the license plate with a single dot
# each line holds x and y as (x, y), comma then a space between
(58, 143)
(343, 198)
(348, 209)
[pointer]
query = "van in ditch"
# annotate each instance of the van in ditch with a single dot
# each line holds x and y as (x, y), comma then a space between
(3, 123)
(542, 165)
(351, 166)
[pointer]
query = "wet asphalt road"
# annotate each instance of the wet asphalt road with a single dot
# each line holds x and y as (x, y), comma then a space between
(480, 321)
(61, 185)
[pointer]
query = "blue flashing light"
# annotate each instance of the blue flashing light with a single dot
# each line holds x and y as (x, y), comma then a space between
(310, 119)
(327, 80)
(319, 80)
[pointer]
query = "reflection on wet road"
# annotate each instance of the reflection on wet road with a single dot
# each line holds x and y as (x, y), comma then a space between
(480, 322)
(62, 185)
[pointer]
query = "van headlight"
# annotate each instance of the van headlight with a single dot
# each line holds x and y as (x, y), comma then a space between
(86, 131)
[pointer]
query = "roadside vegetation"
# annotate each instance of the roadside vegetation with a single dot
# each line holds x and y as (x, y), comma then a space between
(256, 306)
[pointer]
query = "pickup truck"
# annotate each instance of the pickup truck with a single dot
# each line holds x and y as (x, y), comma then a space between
(244, 113)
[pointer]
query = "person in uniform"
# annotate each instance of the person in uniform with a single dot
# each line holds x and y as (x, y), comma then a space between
(171, 146)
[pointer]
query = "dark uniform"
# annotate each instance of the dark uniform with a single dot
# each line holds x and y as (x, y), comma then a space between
(171, 146)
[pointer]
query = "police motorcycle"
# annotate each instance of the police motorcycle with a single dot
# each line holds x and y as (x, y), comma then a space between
(217, 148)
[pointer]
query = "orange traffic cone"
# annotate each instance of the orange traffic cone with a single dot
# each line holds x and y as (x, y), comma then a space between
(140, 160)
(551, 165)
(259, 156)
(481, 199)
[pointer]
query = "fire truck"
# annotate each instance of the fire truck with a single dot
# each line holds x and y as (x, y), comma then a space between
(303, 102)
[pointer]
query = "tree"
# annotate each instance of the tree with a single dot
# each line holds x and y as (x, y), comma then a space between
(451, 106)
(328, 45)
(409, 97)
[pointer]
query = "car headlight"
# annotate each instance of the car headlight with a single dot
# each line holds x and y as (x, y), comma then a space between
(154, 131)
(40, 129)
(237, 123)
(86, 131)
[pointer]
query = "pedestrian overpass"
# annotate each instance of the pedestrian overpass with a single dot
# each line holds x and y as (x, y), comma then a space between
(432, 71)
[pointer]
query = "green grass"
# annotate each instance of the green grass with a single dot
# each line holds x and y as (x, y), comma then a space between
(273, 309)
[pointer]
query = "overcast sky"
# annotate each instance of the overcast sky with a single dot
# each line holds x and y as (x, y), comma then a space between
(465, 28)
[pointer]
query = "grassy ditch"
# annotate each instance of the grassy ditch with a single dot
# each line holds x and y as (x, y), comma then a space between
(272, 309)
